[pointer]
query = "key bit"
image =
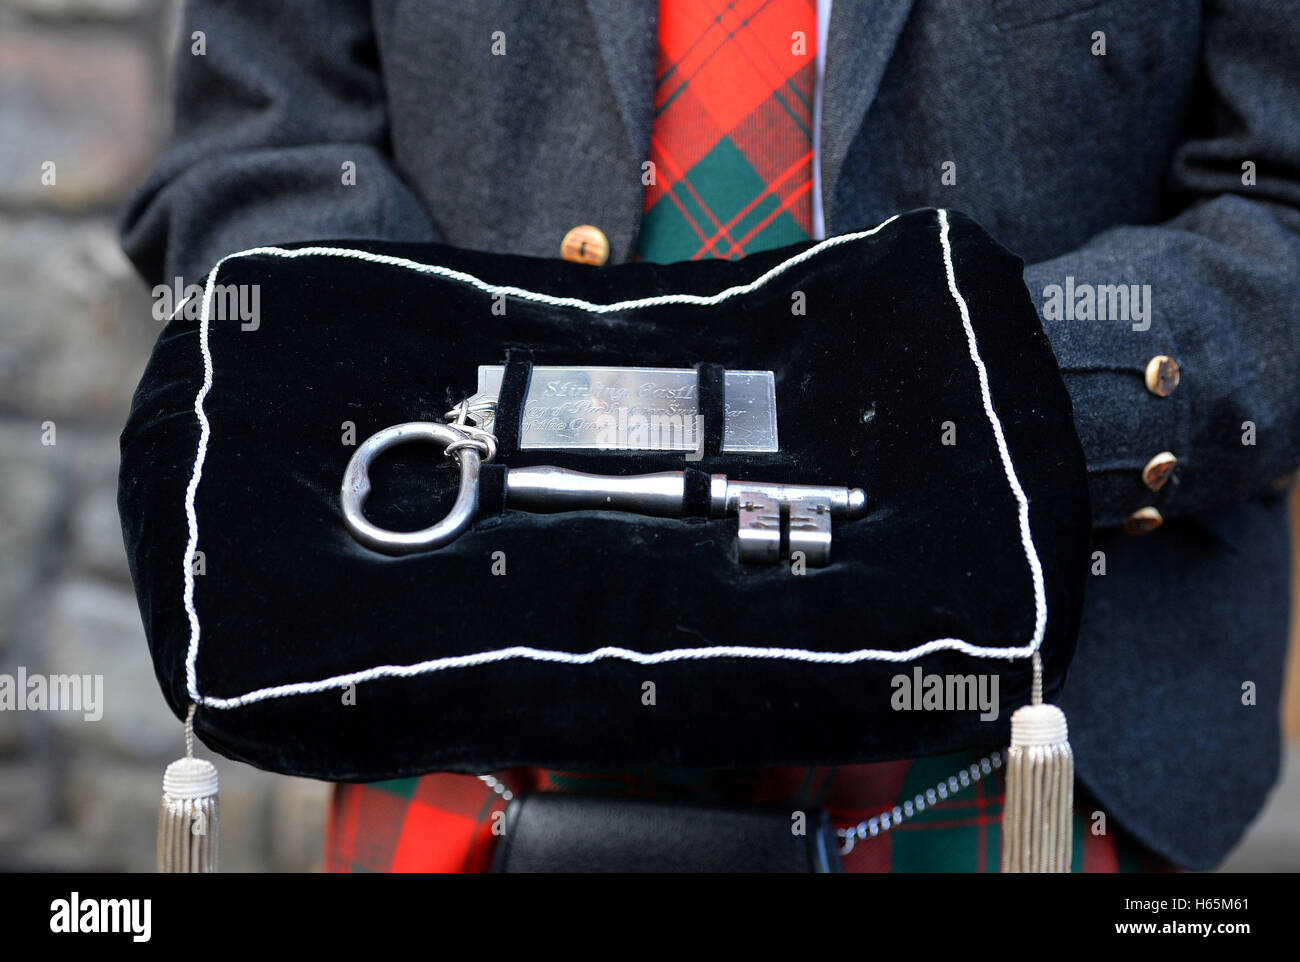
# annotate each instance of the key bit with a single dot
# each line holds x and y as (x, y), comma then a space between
(759, 538)
(810, 530)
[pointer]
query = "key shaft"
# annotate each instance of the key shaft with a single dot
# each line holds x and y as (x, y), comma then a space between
(547, 488)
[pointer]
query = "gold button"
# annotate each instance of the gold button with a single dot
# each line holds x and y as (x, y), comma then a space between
(585, 245)
(1143, 521)
(1158, 469)
(1162, 375)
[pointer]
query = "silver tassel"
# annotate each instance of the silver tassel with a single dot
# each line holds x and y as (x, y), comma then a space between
(188, 823)
(1038, 817)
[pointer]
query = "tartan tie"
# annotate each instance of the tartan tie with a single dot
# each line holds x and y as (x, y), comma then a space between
(731, 139)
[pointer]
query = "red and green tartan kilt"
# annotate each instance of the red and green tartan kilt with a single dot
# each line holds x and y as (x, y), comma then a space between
(444, 822)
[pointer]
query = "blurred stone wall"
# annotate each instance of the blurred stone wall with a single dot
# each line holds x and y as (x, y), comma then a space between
(82, 86)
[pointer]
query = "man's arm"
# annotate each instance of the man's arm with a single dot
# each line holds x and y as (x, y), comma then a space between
(283, 96)
(1224, 281)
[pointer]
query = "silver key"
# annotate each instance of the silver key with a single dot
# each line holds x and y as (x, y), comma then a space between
(546, 488)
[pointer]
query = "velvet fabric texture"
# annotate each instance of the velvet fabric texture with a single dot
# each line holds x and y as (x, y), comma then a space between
(866, 383)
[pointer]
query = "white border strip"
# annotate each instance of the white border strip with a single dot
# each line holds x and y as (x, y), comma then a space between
(1026, 536)
(625, 654)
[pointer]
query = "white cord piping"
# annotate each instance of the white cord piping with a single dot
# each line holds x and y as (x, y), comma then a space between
(1026, 537)
(610, 652)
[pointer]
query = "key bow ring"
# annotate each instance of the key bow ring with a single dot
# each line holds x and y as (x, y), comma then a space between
(469, 450)
(482, 441)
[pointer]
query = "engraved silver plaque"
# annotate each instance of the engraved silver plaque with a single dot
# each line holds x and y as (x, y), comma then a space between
(638, 408)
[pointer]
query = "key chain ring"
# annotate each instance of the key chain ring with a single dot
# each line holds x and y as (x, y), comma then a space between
(481, 441)
(356, 487)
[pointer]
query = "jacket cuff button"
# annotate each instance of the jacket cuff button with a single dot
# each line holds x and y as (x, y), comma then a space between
(1162, 375)
(1143, 521)
(1158, 470)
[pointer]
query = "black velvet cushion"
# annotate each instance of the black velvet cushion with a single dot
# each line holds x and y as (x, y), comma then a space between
(865, 382)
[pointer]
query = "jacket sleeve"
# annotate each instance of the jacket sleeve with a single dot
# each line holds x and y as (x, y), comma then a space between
(1224, 283)
(272, 100)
